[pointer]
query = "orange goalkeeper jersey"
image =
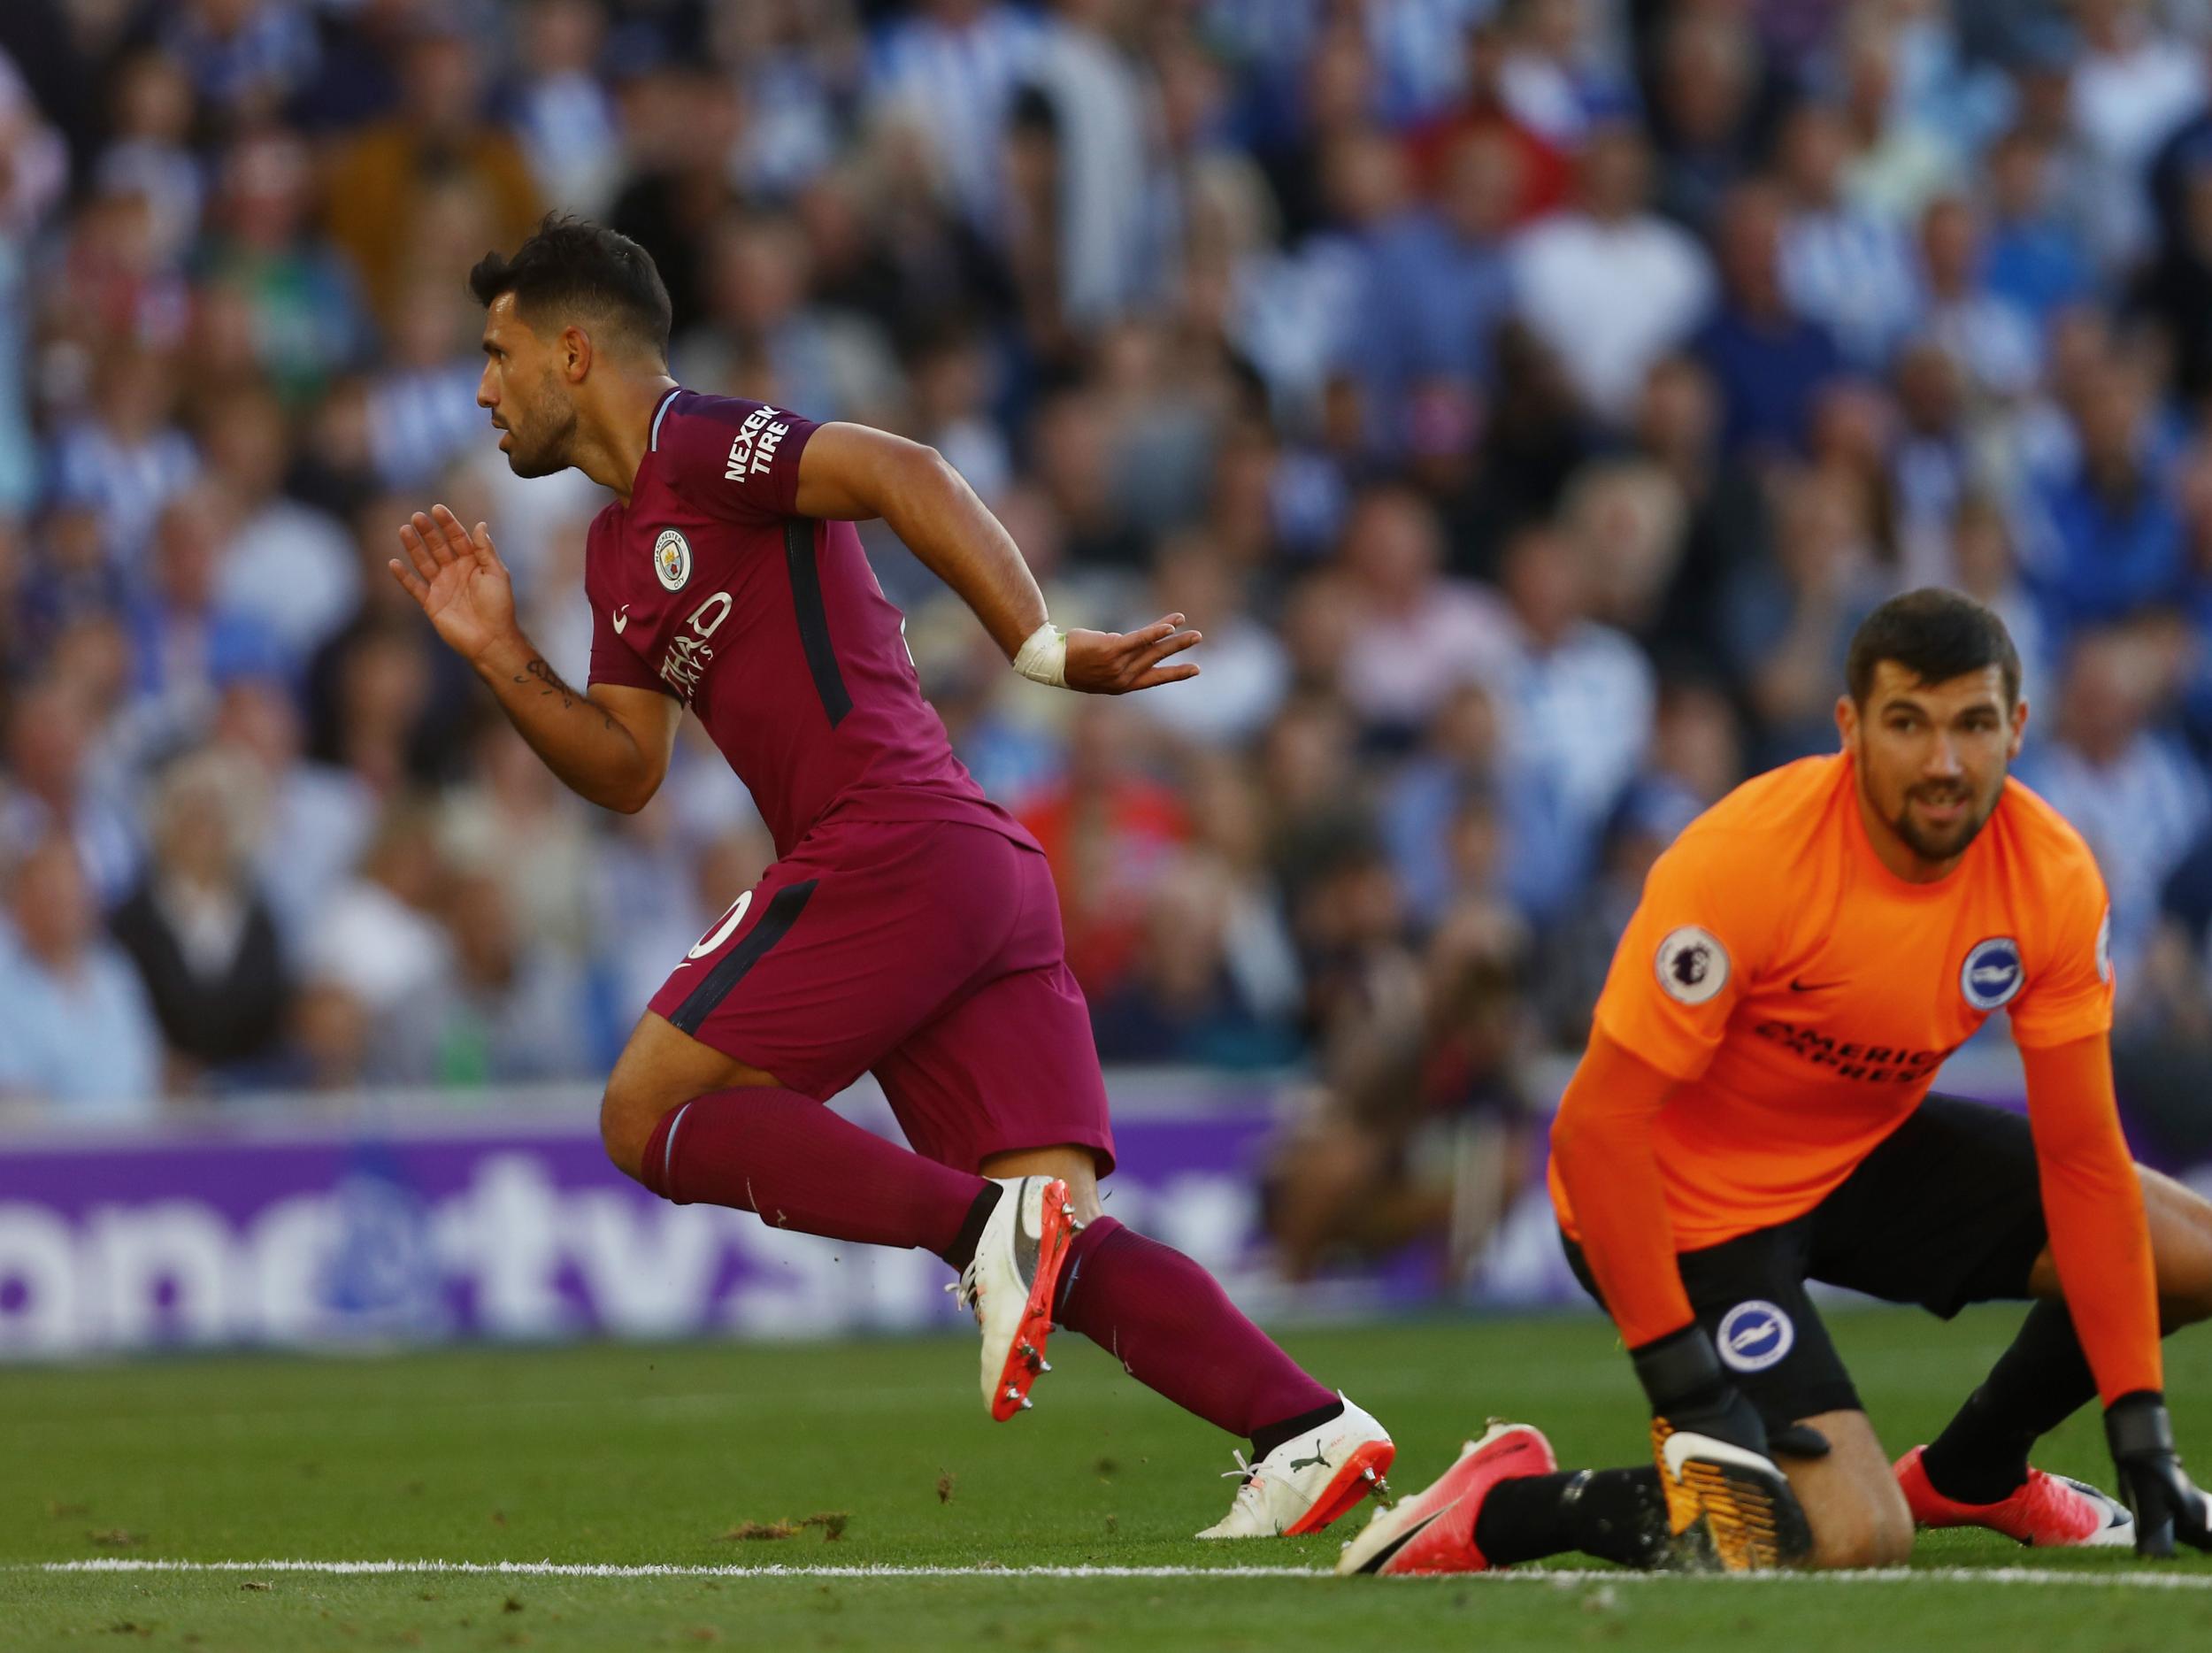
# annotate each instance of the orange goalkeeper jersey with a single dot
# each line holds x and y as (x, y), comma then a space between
(1804, 995)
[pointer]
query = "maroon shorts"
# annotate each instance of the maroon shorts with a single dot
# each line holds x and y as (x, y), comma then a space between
(926, 952)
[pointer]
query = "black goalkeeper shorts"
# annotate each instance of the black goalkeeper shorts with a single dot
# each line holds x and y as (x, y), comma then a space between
(1945, 1212)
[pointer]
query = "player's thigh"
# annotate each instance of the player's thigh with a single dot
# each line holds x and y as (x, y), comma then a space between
(1850, 1497)
(1006, 1081)
(2180, 1221)
(660, 1069)
(1946, 1210)
(842, 950)
(1748, 1294)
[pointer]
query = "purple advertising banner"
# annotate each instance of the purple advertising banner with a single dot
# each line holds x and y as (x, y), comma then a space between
(413, 1227)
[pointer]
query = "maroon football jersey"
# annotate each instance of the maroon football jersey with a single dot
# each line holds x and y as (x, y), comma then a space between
(770, 625)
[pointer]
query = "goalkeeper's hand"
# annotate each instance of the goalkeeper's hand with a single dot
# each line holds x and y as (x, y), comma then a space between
(2168, 1505)
(1728, 1505)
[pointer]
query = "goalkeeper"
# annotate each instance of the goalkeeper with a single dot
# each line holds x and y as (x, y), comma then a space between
(1752, 1113)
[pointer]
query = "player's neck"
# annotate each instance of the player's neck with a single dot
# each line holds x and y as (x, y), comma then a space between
(1895, 855)
(612, 437)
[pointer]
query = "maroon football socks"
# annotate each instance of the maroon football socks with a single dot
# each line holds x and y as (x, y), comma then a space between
(1166, 1319)
(802, 1167)
(1174, 1330)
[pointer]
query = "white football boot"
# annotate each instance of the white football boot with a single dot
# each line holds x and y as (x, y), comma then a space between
(1009, 1283)
(1306, 1483)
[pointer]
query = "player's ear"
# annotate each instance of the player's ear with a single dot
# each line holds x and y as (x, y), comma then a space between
(1846, 721)
(575, 355)
(2019, 729)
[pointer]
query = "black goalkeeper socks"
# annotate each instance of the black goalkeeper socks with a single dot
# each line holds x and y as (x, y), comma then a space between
(2041, 1380)
(1614, 1514)
(1265, 1441)
(961, 1253)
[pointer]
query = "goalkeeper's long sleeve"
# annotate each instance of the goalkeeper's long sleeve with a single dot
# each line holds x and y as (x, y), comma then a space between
(1602, 1145)
(2092, 1204)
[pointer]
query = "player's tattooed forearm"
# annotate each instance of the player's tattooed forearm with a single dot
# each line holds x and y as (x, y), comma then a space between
(549, 681)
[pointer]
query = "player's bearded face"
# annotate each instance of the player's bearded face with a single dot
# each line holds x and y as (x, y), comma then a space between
(524, 390)
(540, 424)
(1932, 757)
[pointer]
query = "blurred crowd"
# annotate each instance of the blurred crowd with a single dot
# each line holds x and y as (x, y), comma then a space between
(1527, 397)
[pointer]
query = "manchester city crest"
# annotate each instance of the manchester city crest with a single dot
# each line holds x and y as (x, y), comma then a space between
(671, 559)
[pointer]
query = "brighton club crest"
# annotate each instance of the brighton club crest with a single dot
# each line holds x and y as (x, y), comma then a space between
(671, 559)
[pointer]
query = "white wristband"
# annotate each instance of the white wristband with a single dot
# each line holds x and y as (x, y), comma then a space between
(1043, 656)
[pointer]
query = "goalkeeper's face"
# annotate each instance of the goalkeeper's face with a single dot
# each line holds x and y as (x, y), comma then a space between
(1932, 757)
(529, 387)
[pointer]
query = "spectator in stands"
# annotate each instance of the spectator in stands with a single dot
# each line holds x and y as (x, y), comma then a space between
(1436, 283)
(1181, 1002)
(1418, 1129)
(683, 122)
(34, 171)
(290, 566)
(75, 1028)
(307, 314)
(759, 329)
(1582, 697)
(563, 113)
(2128, 789)
(1415, 632)
(1712, 101)
(204, 939)
(1554, 77)
(1089, 110)
(1788, 625)
(126, 458)
(2177, 287)
(1993, 340)
(149, 153)
(1541, 166)
(382, 176)
(951, 69)
(1470, 765)
(511, 1011)
(185, 638)
(376, 939)
(1843, 264)
(310, 821)
(514, 823)
(57, 791)
(1247, 673)
(1768, 358)
(2034, 260)
(2104, 536)
(1606, 283)
(1899, 158)
(2133, 84)
(1108, 828)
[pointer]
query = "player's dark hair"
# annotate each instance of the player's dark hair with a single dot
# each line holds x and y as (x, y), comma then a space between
(1935, 635)
(571, 269)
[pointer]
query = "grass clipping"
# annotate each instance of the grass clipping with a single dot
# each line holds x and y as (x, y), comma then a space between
(832, 1523)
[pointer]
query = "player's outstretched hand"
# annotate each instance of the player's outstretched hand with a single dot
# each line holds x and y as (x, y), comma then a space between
(459, 579)
(1116, 662)
(2168, 1504)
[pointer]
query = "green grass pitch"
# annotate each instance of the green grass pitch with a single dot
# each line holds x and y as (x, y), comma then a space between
(635, 1455)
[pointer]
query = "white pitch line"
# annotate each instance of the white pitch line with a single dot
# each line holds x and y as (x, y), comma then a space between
(2184, 1578)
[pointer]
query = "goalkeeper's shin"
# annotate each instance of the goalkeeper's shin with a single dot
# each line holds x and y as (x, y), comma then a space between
(2168, 1505)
